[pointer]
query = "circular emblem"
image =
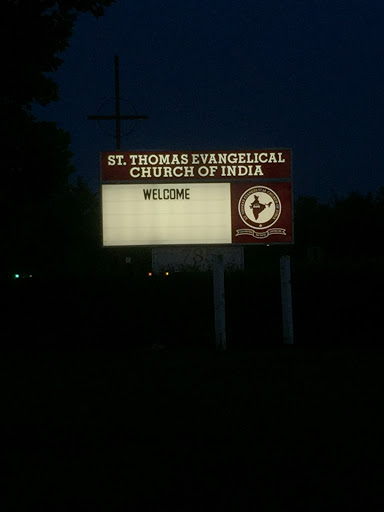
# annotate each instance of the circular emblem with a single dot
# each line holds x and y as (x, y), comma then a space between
(259, 207)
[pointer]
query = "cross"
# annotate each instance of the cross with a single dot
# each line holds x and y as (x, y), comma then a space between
(117, 116)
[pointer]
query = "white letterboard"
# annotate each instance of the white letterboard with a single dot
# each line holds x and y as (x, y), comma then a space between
(166, 214)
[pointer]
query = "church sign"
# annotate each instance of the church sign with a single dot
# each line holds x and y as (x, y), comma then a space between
(160, 198)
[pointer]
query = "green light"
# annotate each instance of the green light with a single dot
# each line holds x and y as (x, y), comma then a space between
(16, 276)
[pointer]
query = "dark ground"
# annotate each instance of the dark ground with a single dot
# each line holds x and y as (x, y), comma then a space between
(96, 415)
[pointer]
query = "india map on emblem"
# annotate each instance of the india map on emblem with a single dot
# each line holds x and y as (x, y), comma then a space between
(259, 207)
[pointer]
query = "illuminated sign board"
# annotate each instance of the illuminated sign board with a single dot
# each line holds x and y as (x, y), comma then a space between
(155, 198)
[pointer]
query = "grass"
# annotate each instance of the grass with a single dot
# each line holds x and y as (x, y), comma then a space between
(184, 427)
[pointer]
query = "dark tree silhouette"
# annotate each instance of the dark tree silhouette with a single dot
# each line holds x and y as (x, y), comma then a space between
(36, 159)
(346, 229)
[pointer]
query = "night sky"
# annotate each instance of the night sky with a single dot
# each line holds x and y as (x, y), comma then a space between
(307, 75)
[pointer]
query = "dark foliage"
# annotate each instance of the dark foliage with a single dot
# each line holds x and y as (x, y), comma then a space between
(36, 157)
(34, 35)
(346, 229)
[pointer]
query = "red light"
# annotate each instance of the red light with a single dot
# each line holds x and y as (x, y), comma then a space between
(149, 274)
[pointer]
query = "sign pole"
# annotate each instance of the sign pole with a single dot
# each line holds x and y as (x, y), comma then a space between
(286, 299)
(219, 301)
(117, 116)
(117, 100)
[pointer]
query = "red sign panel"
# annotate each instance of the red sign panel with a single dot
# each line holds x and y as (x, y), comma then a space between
(261, 212)
(165, 166)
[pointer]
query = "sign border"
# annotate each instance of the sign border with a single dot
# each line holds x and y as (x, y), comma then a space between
(261, 180)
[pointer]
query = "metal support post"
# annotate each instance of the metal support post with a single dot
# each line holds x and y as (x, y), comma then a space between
(219, 301)
(286, 299)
